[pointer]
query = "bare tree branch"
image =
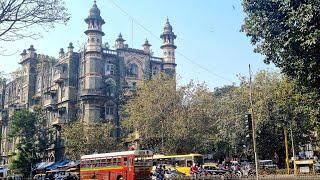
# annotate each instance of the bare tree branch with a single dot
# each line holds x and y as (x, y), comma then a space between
(19, 17)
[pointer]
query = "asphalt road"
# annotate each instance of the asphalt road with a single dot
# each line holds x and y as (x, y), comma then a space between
(271, 177)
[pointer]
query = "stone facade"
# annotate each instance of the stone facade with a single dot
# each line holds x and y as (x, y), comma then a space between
(86, 85)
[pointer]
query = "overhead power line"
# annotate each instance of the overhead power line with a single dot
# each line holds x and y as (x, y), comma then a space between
(157, 37)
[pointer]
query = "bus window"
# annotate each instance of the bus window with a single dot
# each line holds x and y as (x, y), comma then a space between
(181, 162)
(92, 163)
(125, 161)
(108, 162)
(137, 161)
(103, 162)
(118, 161)
(189, 163)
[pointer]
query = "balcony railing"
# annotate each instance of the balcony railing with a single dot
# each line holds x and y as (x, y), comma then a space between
(58, 77)
(91, 92)
(49, 103)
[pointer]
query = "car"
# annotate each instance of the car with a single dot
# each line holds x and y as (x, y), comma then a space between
(39, 177)
(267, 164)
(15, 177)
(213, 169)
(173, 174)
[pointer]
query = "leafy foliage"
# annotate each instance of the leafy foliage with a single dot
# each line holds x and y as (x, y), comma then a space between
(191, 118)
(287, 32)
(27, 130)
(181, 118)
(82, 139)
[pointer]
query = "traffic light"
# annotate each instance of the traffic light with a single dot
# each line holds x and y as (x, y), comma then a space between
(248, 122)
(248, 126)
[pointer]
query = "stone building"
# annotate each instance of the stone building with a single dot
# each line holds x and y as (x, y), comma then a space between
(86, 85)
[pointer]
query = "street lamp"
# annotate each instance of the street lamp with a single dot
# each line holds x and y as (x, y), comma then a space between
(57, 141)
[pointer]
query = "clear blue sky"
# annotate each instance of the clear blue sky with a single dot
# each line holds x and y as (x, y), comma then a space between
(208, 33)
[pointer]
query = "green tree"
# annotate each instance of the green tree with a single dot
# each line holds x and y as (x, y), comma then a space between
(171, 120)
(150, 112)
(28, 132)
(81, 139)
(287, 32)
(278, 102)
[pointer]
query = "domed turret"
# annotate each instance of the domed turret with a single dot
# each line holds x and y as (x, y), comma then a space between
(94, 14)
(120, 42)
(94, 31)
(168, 35)
(168, 47)
(167, 27)
(146, 46)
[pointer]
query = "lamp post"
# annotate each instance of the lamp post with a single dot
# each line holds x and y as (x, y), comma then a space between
(253, 126)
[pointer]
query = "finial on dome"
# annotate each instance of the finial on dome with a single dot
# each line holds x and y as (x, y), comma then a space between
(146, 43)
(120, 39)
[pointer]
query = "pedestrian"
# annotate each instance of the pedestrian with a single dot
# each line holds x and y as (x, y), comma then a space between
(194, 170)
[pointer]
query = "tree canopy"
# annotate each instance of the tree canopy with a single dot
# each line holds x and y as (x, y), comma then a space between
(170, 120)
(287, 32)
(19, 18)
(81, 139)
(192, 118)
(28, 131)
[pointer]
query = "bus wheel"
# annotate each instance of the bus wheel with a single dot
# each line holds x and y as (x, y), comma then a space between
(119, 178)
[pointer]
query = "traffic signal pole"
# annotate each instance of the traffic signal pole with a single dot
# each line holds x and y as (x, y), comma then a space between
(253, 126)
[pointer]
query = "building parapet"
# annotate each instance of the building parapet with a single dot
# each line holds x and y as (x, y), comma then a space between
(157, 59)
(109, 51)
(91, 92)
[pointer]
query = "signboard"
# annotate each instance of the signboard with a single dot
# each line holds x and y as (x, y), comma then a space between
(304, 169)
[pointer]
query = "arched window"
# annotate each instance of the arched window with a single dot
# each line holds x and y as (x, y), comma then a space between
(133, 70)
(110, 110)
(109, 70)
(110, 88)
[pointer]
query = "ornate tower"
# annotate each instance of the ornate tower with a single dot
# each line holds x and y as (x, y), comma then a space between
(91, 90)
(168, 48)
(146, 47)
(120, 42)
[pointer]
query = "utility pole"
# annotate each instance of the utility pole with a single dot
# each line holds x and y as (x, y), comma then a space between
(253, 127)
(293, 152)
(286, 146)
(162, 140)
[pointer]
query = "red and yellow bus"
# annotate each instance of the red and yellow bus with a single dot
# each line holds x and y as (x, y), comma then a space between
(126, 165)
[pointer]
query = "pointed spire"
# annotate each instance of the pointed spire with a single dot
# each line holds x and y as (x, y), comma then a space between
(24, 52)
(146, 47)
(120, 39)
(70, 47)
(61, 53)
(94, 4)
(146, 43)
